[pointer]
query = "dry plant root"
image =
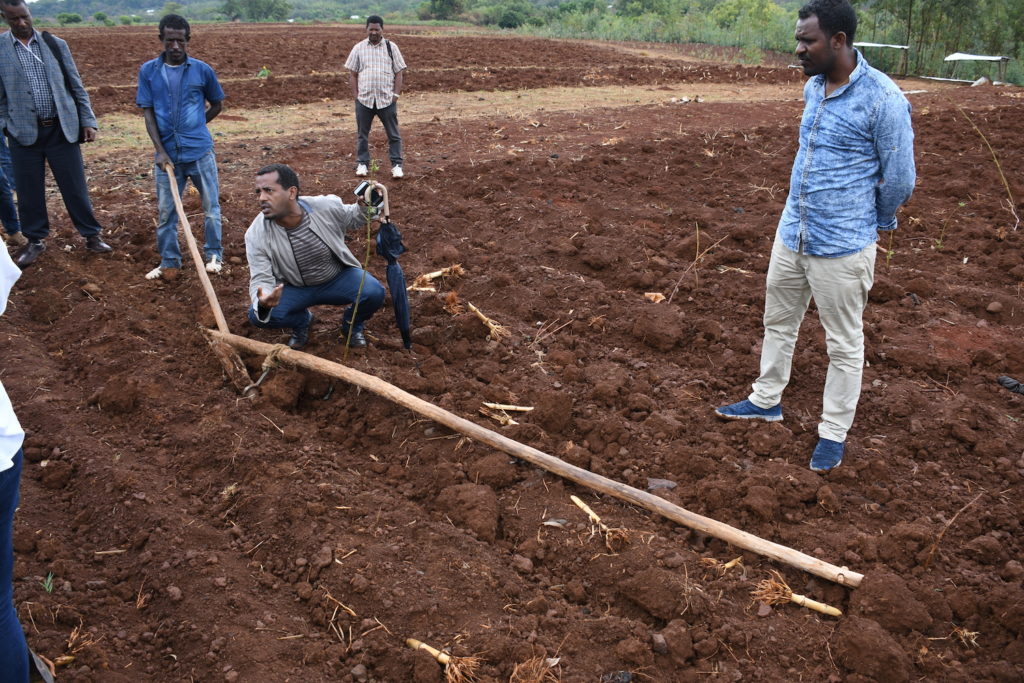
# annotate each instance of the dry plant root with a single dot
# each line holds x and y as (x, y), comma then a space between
(775, 591)
(497, 332)
(533, 670)
(452, 303)
(719, 566)
(422, 283)
(614, 539)
(456, 669)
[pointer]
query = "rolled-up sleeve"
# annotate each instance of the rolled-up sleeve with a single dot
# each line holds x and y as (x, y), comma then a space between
(894, 143)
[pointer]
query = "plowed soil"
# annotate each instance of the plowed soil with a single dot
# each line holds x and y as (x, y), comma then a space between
(303, 534)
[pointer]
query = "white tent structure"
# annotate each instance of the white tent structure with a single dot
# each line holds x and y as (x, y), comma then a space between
(905, 50)
(957, 57)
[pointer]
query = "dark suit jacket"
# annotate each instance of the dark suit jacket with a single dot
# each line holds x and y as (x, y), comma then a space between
(17, 110)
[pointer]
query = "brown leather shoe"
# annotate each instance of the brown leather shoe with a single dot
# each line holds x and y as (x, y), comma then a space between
(96, 245)
(29, 253)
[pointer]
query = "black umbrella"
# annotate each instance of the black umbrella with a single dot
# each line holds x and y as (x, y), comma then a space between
(389, 245)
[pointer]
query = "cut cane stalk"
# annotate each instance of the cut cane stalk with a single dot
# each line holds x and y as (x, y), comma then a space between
(509, 408)
(422, 283)
(775, 591)
(500, 415)
(614, 539)
(497, 332)
(456, 669)
(719, 566)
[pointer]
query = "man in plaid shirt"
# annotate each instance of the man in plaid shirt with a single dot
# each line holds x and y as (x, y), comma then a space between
(375, 75)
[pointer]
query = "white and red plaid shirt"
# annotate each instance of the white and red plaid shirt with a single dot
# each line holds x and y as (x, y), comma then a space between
(376, 71)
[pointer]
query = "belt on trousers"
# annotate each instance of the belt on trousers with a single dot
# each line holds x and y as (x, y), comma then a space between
(52, 121)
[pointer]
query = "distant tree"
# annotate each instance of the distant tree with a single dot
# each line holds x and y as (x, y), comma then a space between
(761, 12)
(256, 10)
(172, 8)
(101, 17)
(125, 19)
(440, 9)
(65, 18)
(634, 8)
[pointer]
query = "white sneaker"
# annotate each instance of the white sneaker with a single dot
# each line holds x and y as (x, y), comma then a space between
(397, 172)
(361, 170)
(154, 274)
(214, 265)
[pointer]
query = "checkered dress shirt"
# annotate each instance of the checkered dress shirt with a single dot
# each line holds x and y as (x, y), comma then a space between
(35, 71)
(376, 72)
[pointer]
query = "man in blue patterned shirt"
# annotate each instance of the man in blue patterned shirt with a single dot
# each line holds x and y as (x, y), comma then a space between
(853, 170)
(173, 92)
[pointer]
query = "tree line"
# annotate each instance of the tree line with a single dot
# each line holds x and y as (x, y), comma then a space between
(930, 28)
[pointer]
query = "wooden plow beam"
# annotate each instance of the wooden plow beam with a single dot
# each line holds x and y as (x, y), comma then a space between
(648, 501)
(233, 366)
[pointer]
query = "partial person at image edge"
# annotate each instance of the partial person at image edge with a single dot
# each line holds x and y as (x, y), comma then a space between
(853, 170)
(14, 654)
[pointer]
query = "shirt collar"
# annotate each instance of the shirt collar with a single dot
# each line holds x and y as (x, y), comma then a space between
(34, 38)
(163, 62)
(858, 71)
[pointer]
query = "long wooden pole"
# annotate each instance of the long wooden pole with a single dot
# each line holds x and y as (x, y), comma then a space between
(193, 248)
(736, 537)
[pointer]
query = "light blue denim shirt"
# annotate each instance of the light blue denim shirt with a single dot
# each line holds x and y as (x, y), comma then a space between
(854, 168)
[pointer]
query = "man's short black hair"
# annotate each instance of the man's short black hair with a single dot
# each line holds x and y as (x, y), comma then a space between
(15, 3)
(175, 22)
(285, 175)
(834, 16)
(374, 19)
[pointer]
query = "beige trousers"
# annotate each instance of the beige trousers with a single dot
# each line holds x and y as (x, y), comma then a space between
(840, 289)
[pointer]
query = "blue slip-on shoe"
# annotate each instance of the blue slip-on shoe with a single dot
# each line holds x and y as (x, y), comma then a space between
(828, 454)
(745, 410)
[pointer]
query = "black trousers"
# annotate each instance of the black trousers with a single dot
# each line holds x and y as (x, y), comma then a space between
(389, 117)
(65, 160)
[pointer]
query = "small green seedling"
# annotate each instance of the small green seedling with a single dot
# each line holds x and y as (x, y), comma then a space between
(942, 233)
(47, 583)
(263, 73)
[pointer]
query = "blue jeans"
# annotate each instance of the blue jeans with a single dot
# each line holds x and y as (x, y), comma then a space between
(292, 310)
(13, 649)
(8, 211)
(203, 173)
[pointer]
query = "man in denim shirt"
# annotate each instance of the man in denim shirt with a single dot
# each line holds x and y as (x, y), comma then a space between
(854, 169)
(173, 92)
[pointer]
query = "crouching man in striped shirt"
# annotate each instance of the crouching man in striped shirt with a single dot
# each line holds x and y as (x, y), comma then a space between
(298, 259)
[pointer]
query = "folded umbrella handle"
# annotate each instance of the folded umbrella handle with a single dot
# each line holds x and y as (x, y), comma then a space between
(385, 209)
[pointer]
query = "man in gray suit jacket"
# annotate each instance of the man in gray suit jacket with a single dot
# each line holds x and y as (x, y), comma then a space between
(45, 112)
